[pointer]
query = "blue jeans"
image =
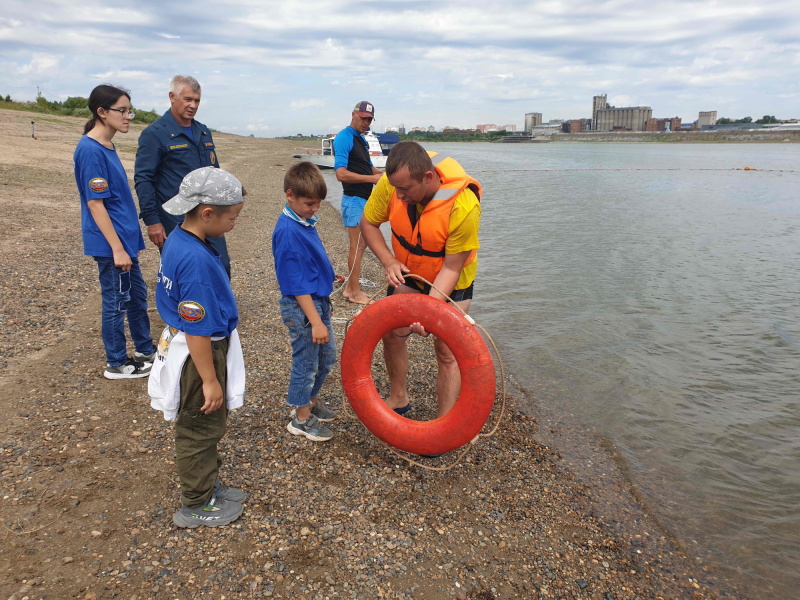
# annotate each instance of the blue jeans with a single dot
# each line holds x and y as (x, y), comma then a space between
(124, 293)
(311, 362)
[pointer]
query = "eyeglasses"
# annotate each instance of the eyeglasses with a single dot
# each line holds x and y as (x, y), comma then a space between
(124, 112)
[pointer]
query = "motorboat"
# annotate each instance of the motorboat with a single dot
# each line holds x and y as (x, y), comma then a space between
(379, 145)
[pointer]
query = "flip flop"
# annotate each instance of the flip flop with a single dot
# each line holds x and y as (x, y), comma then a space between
(403, 409)
(355, 302)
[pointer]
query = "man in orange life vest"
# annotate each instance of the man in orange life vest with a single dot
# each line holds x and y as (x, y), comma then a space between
(434, 211)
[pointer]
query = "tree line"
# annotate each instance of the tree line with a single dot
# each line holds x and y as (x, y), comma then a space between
(763, 120)
(454, 135)
(76, 106)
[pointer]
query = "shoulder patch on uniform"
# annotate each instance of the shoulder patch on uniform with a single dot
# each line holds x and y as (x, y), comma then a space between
(98, 184)
(191, 311)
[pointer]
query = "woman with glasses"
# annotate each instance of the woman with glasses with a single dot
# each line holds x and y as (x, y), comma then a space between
(111, 233)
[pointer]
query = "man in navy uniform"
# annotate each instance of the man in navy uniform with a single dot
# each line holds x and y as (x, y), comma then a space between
(170, 148)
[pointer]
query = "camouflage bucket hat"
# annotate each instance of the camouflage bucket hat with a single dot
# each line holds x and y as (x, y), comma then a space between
(207, 185)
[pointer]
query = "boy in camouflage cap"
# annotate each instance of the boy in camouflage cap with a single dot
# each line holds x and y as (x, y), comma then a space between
(199, 371)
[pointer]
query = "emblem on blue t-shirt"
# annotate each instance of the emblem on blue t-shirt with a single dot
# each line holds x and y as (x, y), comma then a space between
(98, 184)
(213, 158)
(191, 311)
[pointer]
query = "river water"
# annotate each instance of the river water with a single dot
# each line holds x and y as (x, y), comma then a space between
(652, 293)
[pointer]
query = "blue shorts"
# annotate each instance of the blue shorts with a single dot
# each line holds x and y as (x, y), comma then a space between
(352, 209)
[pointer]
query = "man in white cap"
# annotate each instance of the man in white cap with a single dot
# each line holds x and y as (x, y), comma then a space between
(354, 169)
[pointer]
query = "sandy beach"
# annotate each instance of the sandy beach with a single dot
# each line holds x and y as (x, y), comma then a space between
(87, 475)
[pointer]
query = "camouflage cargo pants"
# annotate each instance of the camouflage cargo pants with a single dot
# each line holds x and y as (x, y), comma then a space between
(197, 434)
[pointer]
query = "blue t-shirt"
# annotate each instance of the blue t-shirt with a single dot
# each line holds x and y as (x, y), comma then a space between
(193, 292)
(301, 264)
(343, 145)
(99, 174)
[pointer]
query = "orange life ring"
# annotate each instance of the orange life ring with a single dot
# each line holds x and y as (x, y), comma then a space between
(474, 405)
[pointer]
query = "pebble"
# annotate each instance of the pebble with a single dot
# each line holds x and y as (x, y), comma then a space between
(341, 520)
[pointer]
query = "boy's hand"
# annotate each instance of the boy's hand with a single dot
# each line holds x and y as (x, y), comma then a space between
(212, 392)
(416, 327)
(319, 333)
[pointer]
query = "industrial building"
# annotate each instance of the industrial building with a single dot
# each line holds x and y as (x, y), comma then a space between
(707, 118)
(610, 118)
(673, 124)
(532, 120)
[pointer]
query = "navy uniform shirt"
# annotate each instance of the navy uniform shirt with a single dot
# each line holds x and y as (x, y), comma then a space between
(166, 154)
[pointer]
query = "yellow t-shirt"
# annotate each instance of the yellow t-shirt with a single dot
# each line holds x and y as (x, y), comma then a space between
(465, 220)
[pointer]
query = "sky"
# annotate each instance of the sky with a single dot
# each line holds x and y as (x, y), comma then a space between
(274, 69)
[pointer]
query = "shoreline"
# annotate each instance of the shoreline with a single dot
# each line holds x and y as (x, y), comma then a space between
(88, 471)
(761, 136)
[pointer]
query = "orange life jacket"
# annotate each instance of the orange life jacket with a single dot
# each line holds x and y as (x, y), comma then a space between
(419, 241)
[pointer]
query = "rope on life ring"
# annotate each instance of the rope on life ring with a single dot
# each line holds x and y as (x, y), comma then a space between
(462, 424)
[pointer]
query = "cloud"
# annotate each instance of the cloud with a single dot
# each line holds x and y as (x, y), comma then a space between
(122, 76)
(307, 103)
(420, 63)
(40, 64)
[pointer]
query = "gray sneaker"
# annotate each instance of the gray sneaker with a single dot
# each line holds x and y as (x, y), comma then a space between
(311, 428)
(130, 370)
(324, 414)
(228, 493)
(215, 513)
(145, 358)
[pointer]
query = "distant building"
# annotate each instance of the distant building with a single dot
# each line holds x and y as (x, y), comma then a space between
(610, 118)
(532, 120)
(598, 103)
(511, 128)
(707, 117)
(673, 124)
(402, 129)
(732, 127)
(576, 125)
(486, 127)
(546, 129)
(431, 129)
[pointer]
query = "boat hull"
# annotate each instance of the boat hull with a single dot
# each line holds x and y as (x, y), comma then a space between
(323, 162)
(324, 158)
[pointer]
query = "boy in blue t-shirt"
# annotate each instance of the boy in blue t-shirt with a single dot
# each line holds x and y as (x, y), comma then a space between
(305, 276)
(195, 299)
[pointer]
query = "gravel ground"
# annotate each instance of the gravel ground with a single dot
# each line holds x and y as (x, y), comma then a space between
(87, 475)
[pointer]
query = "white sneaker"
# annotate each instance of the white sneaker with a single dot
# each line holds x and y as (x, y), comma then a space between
(130, 370)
